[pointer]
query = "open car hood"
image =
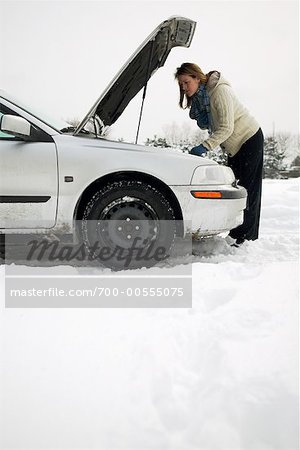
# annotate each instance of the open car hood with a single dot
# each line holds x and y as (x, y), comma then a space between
(134, 75)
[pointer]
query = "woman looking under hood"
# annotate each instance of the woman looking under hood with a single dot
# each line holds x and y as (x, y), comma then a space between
(215, 107)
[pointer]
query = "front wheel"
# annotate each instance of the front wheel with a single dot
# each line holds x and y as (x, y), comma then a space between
(128, 225)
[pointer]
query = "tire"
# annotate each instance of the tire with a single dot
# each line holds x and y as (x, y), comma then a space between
(133, 220)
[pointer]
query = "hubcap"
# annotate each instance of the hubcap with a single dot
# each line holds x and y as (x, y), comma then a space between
(126, 222)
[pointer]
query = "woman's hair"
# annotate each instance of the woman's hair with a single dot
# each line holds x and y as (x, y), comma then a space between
(193, 71)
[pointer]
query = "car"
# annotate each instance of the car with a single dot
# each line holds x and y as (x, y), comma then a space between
(54, 176)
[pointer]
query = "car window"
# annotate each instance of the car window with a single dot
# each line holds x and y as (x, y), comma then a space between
(36, 133)
(5, 110)
(55, 123)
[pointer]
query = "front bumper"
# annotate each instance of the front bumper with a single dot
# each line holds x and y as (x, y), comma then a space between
(210, 215)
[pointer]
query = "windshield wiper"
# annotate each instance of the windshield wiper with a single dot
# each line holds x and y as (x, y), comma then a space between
(68, 129)
(71, 129)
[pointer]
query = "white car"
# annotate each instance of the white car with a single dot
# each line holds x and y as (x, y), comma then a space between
(52, 175)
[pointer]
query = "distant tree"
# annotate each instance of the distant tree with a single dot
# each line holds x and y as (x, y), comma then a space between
(184, 138)
(218, 155)
(289, 144)
(74, 122)
(296, 161)
(157, 142)
(283, 141)
(183, 135)
(273, 158)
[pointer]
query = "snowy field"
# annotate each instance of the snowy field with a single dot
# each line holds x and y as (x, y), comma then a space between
(221, 375)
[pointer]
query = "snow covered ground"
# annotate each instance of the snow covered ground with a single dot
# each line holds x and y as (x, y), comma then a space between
(220, 375)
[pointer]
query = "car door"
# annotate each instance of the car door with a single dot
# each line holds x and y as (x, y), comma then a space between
(28, 180)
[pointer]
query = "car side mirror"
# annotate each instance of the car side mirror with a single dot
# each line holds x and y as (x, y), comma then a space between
(16, 126)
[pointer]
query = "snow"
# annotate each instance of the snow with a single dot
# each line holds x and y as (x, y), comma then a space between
(220, 375)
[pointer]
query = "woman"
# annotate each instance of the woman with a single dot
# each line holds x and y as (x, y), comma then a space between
(215, 107)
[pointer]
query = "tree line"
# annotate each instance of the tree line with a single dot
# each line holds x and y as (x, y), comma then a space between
(281, 150)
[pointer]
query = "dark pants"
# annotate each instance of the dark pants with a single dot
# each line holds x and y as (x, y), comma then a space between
(247, 166)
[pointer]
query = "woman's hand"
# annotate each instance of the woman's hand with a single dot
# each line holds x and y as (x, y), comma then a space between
(199, 150)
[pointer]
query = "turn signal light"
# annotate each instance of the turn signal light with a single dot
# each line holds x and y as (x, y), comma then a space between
(206, 194)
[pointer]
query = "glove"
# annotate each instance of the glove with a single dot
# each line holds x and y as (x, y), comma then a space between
(200, 150)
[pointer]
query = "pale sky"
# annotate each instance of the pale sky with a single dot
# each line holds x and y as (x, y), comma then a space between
(60, 56)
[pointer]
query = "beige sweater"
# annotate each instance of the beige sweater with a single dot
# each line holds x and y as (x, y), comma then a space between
(232, 125)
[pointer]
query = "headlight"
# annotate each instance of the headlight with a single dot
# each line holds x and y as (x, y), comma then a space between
(212, 175)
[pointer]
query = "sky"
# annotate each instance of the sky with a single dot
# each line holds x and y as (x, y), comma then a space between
(59, 56)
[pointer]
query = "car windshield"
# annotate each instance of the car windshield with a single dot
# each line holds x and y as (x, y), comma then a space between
(57, 124)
